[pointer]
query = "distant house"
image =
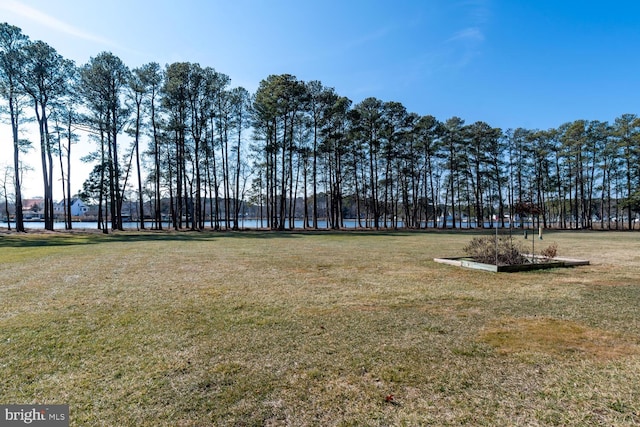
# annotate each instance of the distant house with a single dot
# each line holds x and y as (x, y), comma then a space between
(32, 209)
(78, 208)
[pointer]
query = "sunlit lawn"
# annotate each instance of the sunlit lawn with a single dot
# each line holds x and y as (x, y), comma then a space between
(318, 329)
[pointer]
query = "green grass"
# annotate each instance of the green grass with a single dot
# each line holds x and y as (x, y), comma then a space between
(317, 329)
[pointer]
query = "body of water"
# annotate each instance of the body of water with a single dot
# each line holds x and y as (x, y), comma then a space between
(252, 224)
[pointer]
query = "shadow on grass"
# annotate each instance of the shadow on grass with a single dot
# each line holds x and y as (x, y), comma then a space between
(90, 237)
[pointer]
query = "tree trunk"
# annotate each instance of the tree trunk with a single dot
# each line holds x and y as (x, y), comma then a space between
(14, 113)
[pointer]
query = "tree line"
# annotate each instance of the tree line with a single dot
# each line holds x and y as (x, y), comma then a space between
(192, 150)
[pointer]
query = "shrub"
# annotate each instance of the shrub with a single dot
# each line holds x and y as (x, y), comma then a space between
(487, 249)
(550, 252)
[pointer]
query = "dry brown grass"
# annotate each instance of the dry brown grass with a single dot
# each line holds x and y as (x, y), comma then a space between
(556, 337)
(316, 329)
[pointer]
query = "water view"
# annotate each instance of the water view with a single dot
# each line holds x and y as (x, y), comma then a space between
(251, 224)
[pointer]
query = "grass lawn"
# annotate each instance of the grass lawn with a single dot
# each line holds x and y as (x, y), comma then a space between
(317, 329)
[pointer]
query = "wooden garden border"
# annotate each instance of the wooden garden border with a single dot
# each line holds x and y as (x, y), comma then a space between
(544, 263)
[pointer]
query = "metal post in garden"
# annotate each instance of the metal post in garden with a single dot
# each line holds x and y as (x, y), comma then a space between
(533, 246)
(496, 227)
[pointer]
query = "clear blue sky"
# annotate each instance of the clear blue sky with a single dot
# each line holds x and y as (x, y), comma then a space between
(532, 64)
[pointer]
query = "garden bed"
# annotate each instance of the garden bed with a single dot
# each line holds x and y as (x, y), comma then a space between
(540, 263)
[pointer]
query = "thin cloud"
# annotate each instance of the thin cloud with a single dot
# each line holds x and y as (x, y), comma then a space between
(478, 10)
(51, 22)
(477, 14)
(473, 34)
(464, 47)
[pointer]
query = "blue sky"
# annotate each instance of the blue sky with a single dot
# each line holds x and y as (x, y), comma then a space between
(533, 64)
